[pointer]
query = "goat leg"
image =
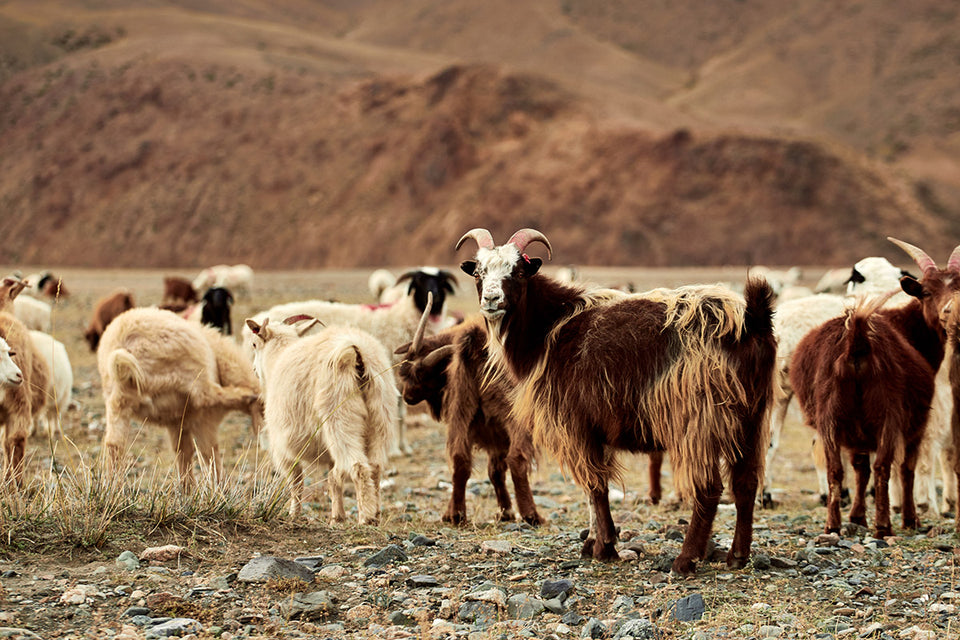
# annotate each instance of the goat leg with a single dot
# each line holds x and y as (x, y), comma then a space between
(705, 501)
(603, 545)
(745, 480)
(831, 451)
(519, 465)
(497, 472)
(907, 479)
(654, 471)
(860, 461)
(457, 509)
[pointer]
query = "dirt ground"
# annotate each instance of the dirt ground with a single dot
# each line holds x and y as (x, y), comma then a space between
(38, 571)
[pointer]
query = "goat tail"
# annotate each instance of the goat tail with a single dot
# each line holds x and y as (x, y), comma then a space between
(126, 369)
(758, 319)
(857, 332)
(375, 383)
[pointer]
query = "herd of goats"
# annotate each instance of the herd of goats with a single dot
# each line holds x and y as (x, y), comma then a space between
(701, 373)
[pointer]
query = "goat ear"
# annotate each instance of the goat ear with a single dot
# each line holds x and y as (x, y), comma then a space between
(912, 287)
(301, 330)
(531, 266)
(402, 349)
(469, 267)
(254, 327)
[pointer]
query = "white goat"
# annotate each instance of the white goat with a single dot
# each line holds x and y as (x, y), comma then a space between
(59, 391)
(329, 399)
(393, 325)
(159, 368)
(238, 278)
(34, 314)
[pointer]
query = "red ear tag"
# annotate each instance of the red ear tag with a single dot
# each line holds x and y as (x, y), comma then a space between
(525, 257)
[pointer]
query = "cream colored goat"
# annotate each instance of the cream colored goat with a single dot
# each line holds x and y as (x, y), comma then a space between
(157, 367)
(330, 398)
(59, 392)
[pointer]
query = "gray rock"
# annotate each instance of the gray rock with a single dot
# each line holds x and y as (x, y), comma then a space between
(136, 611)
(689, 608)
(593, 629)
(556, 588)
(266, 567)
(572, 618)
(175, 627)
(128, 560)
(403, 619)
(638, 628)
(761, 561)
(13, 632)
(422, 582)
(555, 605)
(783, 563)
(770, 631)
(390, 553)
(309, 606)
(423, 541)
(310, 562)
(141, 620)
(521, 606)
(622, 604)
(478, 613)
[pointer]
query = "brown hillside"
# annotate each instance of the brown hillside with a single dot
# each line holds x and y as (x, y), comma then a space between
(327, 135)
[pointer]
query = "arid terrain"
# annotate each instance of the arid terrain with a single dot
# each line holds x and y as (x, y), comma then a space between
(63, 536)
(302, 134)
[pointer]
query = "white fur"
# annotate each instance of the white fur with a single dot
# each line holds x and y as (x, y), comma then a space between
(34, 314)
(10, 374)
(238, 278)
(318, 410)
(60, 387)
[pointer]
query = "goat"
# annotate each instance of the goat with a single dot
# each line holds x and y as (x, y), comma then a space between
(687, 371)
(952, 323)
(215, 310)
(329, 398)
(20, 402)
(159, 368)
(238, 278)
(104, 312)
(865, 382)
(392, 325)
(59, 389)
(448, 371)
(178, 291)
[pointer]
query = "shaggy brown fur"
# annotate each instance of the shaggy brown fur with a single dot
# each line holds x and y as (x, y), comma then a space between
(178, 291)
(20, 404)
(104, 312)
(476, 410)
(687, 371)
(865, 382)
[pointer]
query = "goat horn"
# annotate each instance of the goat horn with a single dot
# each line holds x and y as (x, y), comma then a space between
(919, 256)
(953, 264)
(297, 318)
(482, 236)
(437, 355)
(302, 329)
(418, 336)
(525, 236)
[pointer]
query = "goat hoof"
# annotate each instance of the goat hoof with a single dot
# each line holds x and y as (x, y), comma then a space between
(458, 519)
(860, 520)
(534, 519)
(766, 501)
(895, 509)
(604, 552)
(735, 561)
(505, 516)
(684, 567)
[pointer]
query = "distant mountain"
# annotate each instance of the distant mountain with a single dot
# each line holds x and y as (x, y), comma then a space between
(335, 134)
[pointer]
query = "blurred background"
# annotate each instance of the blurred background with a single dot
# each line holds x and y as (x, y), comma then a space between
(346, 133)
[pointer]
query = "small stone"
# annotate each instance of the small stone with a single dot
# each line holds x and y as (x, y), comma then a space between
(498, 547)
(638, 629)
(770, 631)
(422, 582)
(269, 567)
(521, 606)
(761, 562)
(23, 634)
(593, 629)
(866, 632)
(827, 540)
(310, 562)
(782, 563)
(495, 596)
(360, 613)
(555, 605)
(554, 588)
(175, 627)
(161, 554)
(628, 555)
(136, 611)
(332, 572)
(423, 541)
(479, 613)
(402, 619)
(389, 554)
(309, 606)
(78, 594)
(128, 560)
(689, 608)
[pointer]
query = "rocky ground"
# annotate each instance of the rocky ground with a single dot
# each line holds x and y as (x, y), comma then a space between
(414, 576)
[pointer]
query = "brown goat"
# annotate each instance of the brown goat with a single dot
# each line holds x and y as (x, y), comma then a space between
(952, 324)
(178, 291)
(104, 312)
(865, 382)
(448, 372)
(688, 371)
(52, 287)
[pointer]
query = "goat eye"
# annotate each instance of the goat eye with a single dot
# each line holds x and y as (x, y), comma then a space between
(13, 353)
